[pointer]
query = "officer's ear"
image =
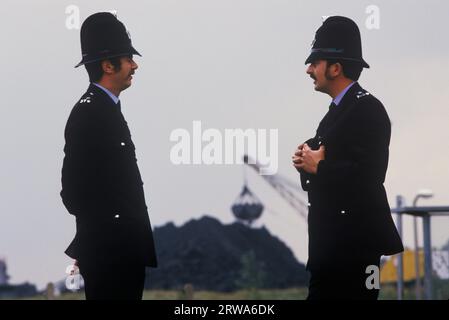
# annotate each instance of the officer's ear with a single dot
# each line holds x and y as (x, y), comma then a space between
(338, 69)
(108, 67)
(333, 70)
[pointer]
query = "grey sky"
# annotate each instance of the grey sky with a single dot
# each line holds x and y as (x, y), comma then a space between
(230, 64)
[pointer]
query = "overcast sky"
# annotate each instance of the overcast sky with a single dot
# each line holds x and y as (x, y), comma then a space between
(229, 64)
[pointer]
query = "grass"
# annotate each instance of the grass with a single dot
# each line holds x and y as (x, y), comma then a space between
(387, 292)
(273, 294)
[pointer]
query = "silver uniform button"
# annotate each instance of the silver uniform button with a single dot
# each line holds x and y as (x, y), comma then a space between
(307, 181)
(122, 143)
(308, 204)
(117, 216)
(343, 212)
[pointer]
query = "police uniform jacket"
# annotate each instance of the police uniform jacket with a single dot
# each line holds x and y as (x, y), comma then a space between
(349, 215)
(102, 186)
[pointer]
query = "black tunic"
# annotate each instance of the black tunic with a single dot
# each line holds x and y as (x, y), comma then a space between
(349, 215)
(102, 186)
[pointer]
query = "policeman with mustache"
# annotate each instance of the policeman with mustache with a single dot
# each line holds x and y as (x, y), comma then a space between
(343, 169)
(101, 182)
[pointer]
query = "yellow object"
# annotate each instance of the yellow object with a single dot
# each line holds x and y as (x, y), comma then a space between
(388, 272)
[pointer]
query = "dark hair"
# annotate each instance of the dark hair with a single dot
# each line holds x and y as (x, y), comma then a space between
(351, 69)
(95, 70)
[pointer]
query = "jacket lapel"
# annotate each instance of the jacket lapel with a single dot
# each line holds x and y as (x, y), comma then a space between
(341, 113)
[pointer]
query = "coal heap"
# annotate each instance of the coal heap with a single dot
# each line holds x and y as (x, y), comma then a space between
(211, 256)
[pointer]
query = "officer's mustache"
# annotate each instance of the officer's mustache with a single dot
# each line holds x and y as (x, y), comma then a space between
(313, 77)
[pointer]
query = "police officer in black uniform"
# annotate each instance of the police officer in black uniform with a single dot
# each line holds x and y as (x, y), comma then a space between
(101, 183)
(343, 169)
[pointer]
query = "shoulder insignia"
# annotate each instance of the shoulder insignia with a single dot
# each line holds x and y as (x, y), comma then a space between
(85, 99)
(362, 94)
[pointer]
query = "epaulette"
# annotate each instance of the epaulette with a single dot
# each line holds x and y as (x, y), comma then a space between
(361, 94)
(86, 98)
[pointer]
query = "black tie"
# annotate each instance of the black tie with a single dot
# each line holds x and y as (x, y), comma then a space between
(328, 119)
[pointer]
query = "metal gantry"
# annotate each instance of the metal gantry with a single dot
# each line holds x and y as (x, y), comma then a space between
(426, 213)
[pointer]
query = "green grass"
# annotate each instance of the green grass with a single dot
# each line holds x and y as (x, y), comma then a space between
(440, 291)
(387, 292)
(274, 294)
